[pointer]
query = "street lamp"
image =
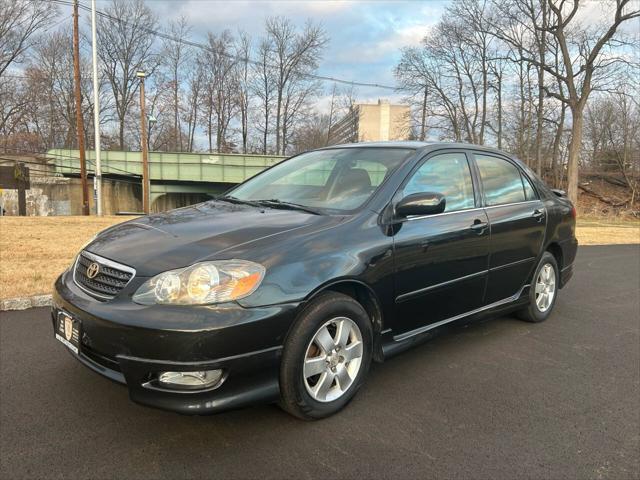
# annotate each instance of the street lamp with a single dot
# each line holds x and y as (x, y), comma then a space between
(144, 144)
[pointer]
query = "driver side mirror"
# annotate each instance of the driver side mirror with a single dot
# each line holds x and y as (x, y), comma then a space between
(427, 203)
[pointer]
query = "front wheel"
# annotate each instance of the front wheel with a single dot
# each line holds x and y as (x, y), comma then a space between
(326, 357)
(543, 291)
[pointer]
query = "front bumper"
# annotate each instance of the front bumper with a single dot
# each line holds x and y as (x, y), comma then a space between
(131, 344)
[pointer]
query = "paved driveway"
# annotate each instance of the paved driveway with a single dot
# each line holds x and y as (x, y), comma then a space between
(501, 399)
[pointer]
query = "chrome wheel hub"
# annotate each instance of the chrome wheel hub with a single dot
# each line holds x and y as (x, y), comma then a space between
(545, 287)
(333, 359)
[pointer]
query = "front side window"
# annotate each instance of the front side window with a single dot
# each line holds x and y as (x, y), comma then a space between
(501, 180)
(447, 174)
(339, 179)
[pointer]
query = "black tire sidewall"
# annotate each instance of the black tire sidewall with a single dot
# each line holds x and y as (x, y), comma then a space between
(326, 306)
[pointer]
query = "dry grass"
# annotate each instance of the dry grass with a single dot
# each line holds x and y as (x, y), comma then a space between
(599, 231)
(35, 250)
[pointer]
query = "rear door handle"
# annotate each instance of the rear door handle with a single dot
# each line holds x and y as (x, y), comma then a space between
(479, 226)
(538, 214)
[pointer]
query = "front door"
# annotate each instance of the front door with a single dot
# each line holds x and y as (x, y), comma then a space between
(517, 218)
(441, 260)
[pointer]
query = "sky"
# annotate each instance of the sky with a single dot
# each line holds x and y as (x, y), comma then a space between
(365, 36)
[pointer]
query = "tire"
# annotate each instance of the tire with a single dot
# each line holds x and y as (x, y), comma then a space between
(535, 312)
(313, 397)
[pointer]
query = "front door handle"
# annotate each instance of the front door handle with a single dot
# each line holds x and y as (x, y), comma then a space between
(538, 214)
(479, 226)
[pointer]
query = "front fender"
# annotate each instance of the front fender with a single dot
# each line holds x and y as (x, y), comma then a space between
(297, 268)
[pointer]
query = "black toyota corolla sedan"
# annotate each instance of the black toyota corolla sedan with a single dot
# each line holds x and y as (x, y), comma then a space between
(287, 287)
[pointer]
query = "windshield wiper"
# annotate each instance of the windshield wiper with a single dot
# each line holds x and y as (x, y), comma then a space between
(275, 203)
(232, 199)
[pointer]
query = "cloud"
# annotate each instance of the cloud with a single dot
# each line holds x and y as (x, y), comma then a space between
(365, 36)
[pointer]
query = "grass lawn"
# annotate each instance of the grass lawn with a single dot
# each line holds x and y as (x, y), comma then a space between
(35, 250)
(598, 231)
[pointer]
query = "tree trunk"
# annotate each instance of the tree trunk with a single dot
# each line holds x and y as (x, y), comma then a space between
(500, 112)
(574, 152)
(539, 114)
(121, 134)
(555, 158)
(210, 130)
(278, 113)
(265, 134)
(177, 141)
(423, 120)
(245, 124)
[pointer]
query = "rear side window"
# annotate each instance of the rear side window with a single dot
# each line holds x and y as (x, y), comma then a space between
(501, 181)
(447, 174)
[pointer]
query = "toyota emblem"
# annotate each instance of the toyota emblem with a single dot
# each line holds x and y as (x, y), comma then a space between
(93, 270)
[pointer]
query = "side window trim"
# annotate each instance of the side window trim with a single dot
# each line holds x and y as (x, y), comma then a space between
(523, 176)
(397, 196)
(477, 181)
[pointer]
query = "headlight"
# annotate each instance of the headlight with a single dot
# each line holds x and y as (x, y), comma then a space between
(202, 284)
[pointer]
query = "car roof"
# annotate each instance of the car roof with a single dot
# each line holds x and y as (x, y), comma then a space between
(417, 145)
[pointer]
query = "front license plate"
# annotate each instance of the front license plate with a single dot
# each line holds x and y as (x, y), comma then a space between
(68, 331)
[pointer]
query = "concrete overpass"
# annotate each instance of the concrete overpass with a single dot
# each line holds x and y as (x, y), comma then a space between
(176, 178)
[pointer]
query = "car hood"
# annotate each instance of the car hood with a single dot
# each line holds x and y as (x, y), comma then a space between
(181, 237)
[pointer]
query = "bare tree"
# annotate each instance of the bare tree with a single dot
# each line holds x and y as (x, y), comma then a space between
(332, 112)
(221, 89)
(195, 85)
(243, 52)
(263, 87)
(586, 51)
(612, 127)
(20, 21)
(415, 84)
(175, 57)
(312, 133)
(293, 55)
(124, 47)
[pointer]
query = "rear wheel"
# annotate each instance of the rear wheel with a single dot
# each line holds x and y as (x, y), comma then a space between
(326, 357)
(543, 291)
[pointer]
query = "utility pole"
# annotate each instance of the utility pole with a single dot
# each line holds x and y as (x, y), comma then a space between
(79, 122)
(145, 147)
(97, 179)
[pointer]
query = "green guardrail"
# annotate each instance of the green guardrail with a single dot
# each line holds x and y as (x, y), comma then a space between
(183, 167)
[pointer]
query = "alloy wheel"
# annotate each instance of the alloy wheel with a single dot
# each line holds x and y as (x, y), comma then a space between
(545, 287)
(333, 359)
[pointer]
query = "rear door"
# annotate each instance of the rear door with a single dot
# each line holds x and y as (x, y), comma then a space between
(517, 220)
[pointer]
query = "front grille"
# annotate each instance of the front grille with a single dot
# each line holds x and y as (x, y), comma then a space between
(110, 280)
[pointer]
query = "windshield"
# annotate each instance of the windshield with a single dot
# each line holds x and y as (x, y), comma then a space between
(336, 179)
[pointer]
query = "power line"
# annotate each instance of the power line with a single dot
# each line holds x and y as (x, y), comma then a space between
(203, 46)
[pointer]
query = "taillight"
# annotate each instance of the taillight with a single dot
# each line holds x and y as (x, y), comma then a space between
(573, 211)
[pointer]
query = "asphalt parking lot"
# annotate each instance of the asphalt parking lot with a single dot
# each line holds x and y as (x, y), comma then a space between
(500, 399)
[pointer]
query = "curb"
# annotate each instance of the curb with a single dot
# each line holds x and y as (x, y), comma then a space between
(23, 303)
